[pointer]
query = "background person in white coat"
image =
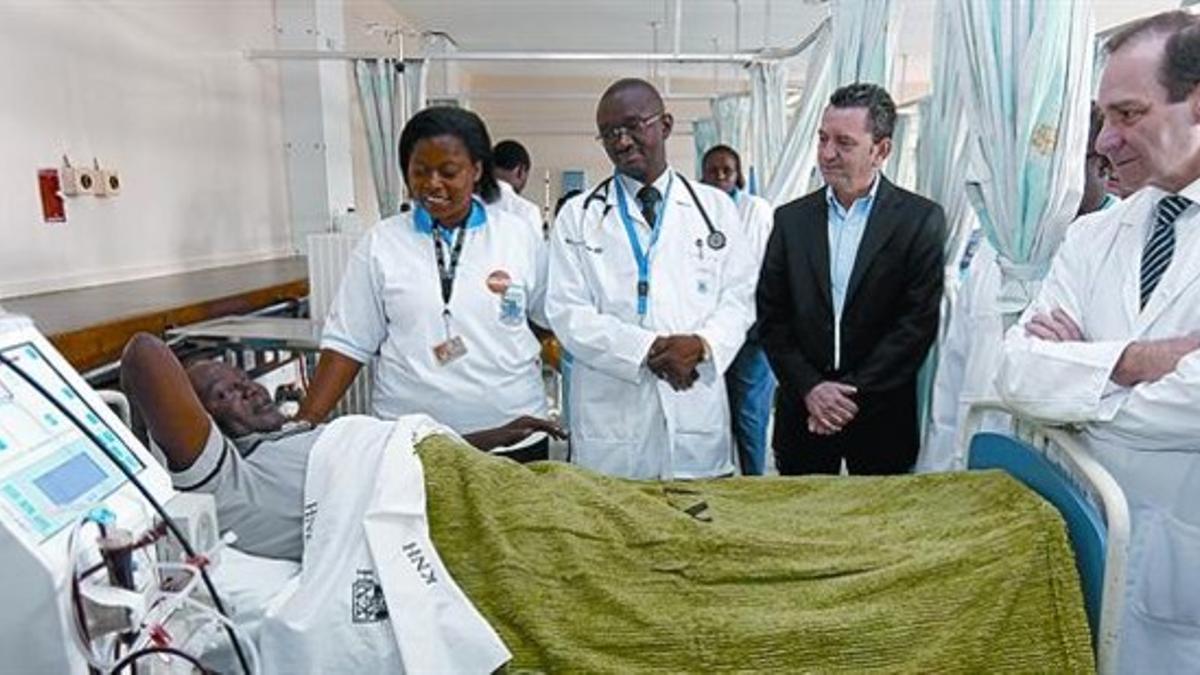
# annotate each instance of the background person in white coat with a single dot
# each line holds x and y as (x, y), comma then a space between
(1111, 341)
(750, 381)
(652, 300)
(512, 173)
(970, 351)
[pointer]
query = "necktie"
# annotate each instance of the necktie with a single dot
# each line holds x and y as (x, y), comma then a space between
(1156, 257)
(649, 197)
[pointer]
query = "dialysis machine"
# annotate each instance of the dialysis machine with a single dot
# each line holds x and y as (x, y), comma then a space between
(86, 560)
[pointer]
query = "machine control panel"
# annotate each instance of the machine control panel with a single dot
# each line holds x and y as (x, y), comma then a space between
(50, 472)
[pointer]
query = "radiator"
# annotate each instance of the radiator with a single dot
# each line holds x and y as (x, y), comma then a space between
(327, 258)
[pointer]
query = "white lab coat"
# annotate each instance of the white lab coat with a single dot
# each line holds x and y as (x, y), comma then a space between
(758, 217)
(519, 206)
(390, 304)
(1147, 436)
(967, 361)
(624, 420)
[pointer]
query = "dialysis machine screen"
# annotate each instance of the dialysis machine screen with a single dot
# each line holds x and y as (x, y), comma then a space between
(50, 472)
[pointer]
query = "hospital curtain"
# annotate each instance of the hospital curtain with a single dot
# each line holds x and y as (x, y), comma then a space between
(768, 116)
(704, 134)
(1027, 73)
(858, 48)
(416, 73)
(731, 113)
(381, 94)
(942, 160)
(729, 125)
(864, 38)
(797, 157)
(899, 166)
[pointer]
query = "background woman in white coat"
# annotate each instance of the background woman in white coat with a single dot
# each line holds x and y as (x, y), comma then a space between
(441, 296)
(750, 382)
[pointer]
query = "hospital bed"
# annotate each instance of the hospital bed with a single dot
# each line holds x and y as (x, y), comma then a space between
(1052, 462)
(1046, 460)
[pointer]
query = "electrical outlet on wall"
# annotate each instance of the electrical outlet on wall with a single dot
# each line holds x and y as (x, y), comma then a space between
(78, 180)
(110, 183)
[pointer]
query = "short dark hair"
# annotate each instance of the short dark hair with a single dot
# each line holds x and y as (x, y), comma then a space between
(510, 154)
(463, 125)
(737, 161)
(881, 109)
(1179, 69)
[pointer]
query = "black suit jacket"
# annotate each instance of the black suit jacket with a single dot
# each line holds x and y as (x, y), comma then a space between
(889, 320)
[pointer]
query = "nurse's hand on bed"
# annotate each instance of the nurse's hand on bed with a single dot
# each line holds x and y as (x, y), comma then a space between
(514, 432)
(830, 407)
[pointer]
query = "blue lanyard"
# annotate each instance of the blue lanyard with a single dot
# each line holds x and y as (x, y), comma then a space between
(642, 257)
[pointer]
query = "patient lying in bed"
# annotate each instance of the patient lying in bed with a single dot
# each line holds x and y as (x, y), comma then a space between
(579, 572)
(221, 433)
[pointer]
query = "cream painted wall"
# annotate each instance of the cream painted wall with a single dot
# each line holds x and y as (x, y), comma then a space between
(161, 92)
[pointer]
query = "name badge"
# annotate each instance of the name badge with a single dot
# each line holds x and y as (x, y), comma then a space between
(512, 305)
(449, 351)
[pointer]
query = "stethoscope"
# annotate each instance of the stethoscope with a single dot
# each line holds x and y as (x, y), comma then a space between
(715, 238)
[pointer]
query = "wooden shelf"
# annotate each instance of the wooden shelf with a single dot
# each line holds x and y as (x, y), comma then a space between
(90, 326)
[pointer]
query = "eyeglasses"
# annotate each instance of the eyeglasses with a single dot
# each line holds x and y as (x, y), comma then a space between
(633, 128)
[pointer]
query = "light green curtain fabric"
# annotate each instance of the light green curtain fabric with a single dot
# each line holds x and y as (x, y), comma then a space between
(859, 47)
(900, 166)
(381, 96)
(704, 134)
(864, 38)
(768, 116)
(1027, 73)
(798, 156)
(729, 125)
(731, 113)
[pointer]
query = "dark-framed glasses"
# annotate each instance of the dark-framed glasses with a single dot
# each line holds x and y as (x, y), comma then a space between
(611, 134)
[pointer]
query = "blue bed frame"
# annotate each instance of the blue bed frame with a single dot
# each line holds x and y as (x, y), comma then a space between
(1053, 463)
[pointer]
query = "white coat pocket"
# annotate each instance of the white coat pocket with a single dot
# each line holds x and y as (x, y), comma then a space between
(701, 409)
(1168, 591)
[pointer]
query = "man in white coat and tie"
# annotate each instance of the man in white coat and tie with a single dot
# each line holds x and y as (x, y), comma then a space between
(1111, 341)
(652, 300)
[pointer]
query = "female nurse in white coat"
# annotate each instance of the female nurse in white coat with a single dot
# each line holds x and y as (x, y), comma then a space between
(441, 296)
(750, 381)
(652, 300)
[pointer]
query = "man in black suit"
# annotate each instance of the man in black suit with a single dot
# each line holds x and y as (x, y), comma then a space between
(848, 301)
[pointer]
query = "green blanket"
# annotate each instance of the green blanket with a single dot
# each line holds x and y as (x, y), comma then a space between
(583, 573)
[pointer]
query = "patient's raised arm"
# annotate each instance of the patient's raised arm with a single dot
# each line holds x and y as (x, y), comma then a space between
(159, 386)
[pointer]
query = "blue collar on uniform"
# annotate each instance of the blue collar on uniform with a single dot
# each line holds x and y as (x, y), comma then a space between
(423, 221)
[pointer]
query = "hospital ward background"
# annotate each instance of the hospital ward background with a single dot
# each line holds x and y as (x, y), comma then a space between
(456, 336)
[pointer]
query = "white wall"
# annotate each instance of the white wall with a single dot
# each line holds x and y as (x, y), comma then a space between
(162, 92)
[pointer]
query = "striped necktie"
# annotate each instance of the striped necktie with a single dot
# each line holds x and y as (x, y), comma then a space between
(1156, 257)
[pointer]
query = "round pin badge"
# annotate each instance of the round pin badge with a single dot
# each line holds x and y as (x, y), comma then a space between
(716, 240)
(498, 282)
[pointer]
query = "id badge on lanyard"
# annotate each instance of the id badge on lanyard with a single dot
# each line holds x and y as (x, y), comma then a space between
(452, 347)
(641, 257)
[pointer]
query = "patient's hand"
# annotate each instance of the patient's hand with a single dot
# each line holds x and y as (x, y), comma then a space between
(514, 432)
